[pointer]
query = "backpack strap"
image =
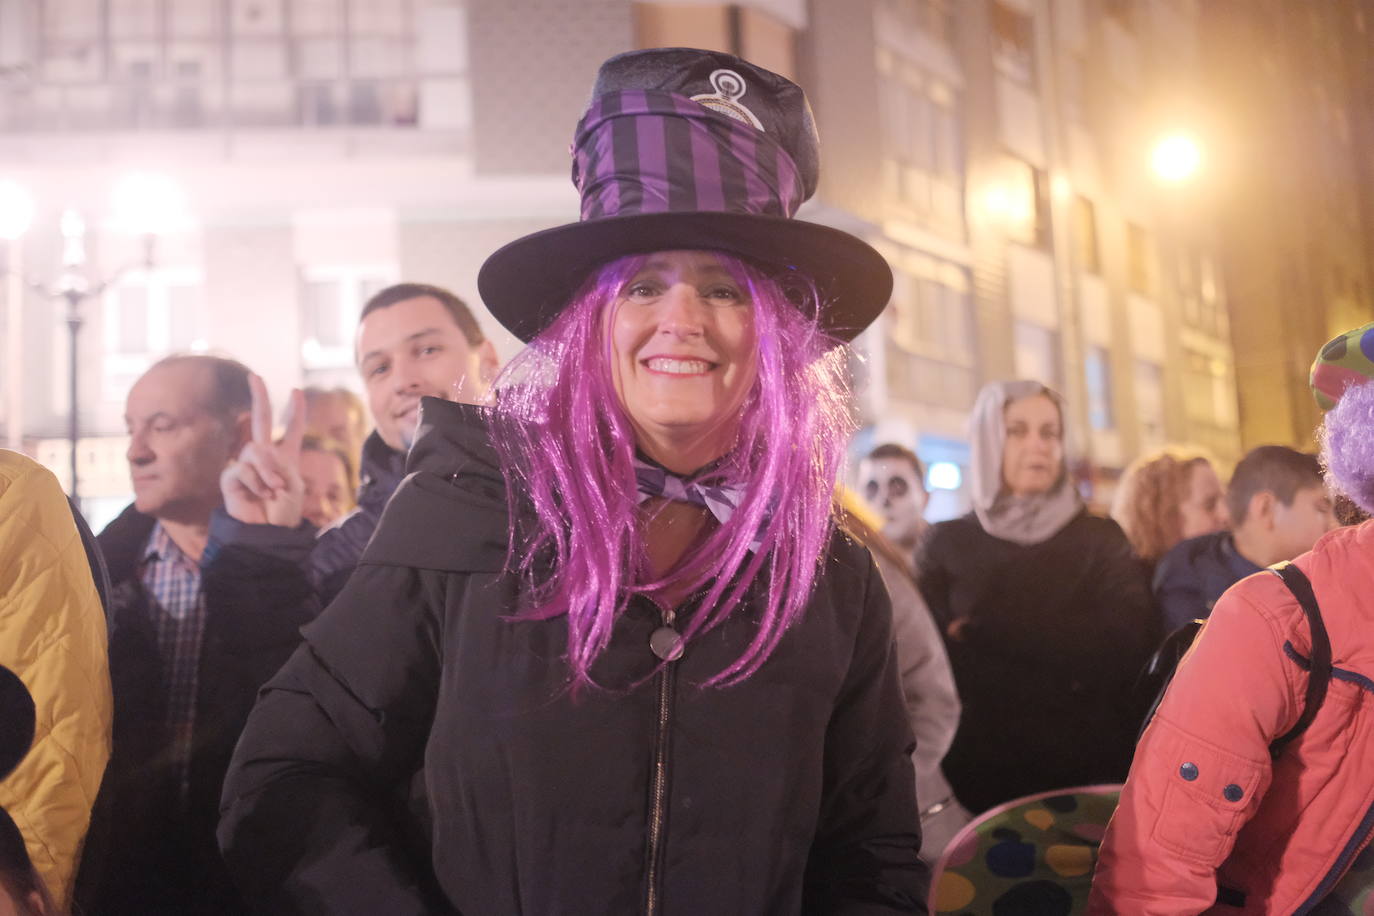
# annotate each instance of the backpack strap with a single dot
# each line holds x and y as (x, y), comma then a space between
(100, 573)
(1319, 672)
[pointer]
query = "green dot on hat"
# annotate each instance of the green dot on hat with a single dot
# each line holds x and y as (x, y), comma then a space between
(1345, 360)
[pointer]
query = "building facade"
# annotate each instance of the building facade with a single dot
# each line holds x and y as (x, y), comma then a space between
(996, 151)
(1295, 82)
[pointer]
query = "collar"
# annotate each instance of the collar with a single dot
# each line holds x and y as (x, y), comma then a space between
(162, 548)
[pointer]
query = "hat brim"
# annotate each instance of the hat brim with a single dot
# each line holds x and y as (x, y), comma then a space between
(526, 283)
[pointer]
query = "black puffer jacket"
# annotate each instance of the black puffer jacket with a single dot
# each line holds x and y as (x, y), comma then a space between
(420, 753)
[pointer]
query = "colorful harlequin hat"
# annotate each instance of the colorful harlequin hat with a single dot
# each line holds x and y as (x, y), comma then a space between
(682, 148)
(1344, 361)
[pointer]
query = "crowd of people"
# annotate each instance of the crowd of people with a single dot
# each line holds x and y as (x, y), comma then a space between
(598, 632)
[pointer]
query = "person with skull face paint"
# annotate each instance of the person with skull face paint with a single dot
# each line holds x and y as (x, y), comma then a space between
(1046, 613)
(892, 481)
(927, 682)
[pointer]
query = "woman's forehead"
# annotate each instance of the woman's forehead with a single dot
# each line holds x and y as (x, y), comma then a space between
(1032, 407)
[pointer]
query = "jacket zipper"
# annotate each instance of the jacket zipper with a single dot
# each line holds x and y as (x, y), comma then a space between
(1342, 861)
(659, 789)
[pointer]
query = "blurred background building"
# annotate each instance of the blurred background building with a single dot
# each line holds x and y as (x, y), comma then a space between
(999, 152)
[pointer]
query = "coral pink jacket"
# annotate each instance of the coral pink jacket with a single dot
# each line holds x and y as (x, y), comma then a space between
(1204, 807)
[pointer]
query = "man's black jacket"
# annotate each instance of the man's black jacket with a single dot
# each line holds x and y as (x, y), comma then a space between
(147, 852)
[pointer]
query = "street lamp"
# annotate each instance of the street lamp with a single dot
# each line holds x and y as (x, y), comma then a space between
(1176, 158)
(145, 204)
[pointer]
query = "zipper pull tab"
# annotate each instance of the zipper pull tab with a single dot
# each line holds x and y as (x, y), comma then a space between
(666, 643)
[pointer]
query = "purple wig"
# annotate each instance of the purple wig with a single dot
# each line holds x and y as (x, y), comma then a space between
(1347, 438)
(567, 447)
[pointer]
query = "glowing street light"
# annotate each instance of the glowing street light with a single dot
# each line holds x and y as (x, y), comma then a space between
(1176, 158)
(16, 210)
(144, 204)
(147, 204)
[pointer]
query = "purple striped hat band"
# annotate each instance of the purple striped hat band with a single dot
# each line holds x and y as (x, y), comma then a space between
(658, 152)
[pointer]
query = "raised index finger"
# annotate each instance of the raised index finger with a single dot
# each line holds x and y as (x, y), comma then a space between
(295, 422)
(262, 410)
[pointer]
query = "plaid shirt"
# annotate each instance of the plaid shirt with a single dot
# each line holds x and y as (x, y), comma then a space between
(178, 616)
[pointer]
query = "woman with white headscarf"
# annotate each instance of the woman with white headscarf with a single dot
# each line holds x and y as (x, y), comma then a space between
(1047, 616)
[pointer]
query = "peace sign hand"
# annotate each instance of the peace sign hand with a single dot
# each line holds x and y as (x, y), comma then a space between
(264, 486)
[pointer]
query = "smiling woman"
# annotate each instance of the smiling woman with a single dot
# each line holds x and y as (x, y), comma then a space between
(682, 340)
(626, 662)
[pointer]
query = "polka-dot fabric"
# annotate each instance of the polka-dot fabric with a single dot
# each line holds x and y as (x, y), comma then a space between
(1344, 361)
(1031, 857)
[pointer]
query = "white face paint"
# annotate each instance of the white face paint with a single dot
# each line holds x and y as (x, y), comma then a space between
(893, 490)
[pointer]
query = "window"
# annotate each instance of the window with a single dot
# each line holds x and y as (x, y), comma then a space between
(1098, 370)
(735, 28)
(72, 50)
(331, 300)
(1208, 392)
(1019, 201)
(1013, 43)
(1073, 82)
(1037, 352)
(1149, 401)
(934, 18)
(146, 315)
(1120, 10)
(923, 162)
(158, 63)
(1139, 260)
(1085, 236)
(932, 310)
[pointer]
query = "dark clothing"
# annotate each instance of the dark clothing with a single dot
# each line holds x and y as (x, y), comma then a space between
(1050, 639)
(1191, 577)
(422, 752)
(148, 852)
(327, 560)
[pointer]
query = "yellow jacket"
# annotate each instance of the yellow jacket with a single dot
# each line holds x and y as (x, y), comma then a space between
(52, 634)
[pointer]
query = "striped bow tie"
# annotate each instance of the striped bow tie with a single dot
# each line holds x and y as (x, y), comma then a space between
(721, 501)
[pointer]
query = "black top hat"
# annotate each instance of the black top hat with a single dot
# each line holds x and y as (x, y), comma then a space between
(682, 148)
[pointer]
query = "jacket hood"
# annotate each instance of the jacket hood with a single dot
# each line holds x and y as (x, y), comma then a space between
(450, 511)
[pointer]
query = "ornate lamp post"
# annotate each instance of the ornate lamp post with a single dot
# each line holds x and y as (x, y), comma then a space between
(143, 204)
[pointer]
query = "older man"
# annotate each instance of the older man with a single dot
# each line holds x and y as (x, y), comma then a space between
(186, 654)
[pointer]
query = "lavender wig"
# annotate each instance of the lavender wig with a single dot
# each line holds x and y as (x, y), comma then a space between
(567, 448)
(1347, 440)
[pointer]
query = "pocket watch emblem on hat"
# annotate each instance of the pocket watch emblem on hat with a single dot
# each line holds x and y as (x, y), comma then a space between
(730, 88)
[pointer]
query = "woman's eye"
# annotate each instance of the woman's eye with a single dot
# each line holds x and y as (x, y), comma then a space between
(641, 291)
(726, 293)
